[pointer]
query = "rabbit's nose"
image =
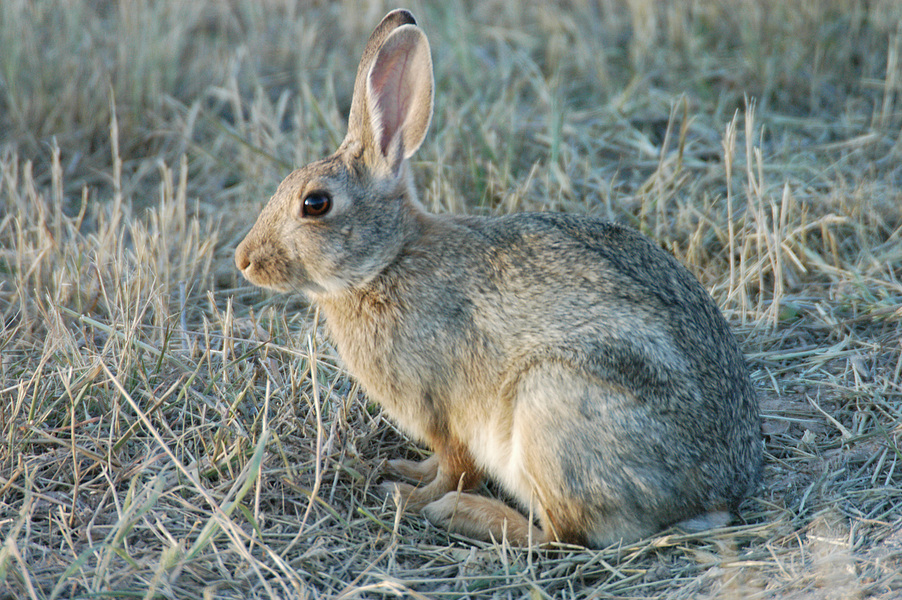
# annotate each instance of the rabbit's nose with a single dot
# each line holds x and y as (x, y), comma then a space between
(241, 259)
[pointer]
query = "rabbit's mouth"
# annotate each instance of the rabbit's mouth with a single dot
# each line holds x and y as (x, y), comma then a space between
(253, 276)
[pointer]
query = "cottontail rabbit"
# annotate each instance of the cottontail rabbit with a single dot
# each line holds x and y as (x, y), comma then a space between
(571, 360)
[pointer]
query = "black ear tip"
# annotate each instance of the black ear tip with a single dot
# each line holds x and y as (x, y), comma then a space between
(400, 16)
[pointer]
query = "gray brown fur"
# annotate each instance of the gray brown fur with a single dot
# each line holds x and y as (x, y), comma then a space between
(571, 360)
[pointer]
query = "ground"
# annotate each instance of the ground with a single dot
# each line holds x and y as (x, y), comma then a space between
(170, 431)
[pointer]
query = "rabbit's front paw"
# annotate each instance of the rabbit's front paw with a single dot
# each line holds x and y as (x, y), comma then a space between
(422, 472)
(399, 492)
(409, 497)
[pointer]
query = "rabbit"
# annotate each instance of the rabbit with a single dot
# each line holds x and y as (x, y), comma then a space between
(571, 360)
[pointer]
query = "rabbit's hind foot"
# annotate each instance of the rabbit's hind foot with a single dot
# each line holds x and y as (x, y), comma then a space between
(483, 518)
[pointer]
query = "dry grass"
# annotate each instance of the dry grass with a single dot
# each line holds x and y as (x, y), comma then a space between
(170, 432)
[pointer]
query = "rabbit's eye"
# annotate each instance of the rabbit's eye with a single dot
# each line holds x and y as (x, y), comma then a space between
(316, 204)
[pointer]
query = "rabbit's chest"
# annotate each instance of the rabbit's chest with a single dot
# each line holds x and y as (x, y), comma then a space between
(377, 356)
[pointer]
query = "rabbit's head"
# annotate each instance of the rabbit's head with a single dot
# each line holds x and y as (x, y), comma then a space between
(336, 223)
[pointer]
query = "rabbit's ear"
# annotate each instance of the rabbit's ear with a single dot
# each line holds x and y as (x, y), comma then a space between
(357, 123)
(399, 94)
(392, 103)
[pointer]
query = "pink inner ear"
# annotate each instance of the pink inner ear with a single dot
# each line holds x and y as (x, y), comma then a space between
(392, 91)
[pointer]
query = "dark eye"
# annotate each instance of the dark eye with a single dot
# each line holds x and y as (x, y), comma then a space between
(316, 204)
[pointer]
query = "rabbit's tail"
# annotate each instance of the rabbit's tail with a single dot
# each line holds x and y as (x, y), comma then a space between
(705, 521)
